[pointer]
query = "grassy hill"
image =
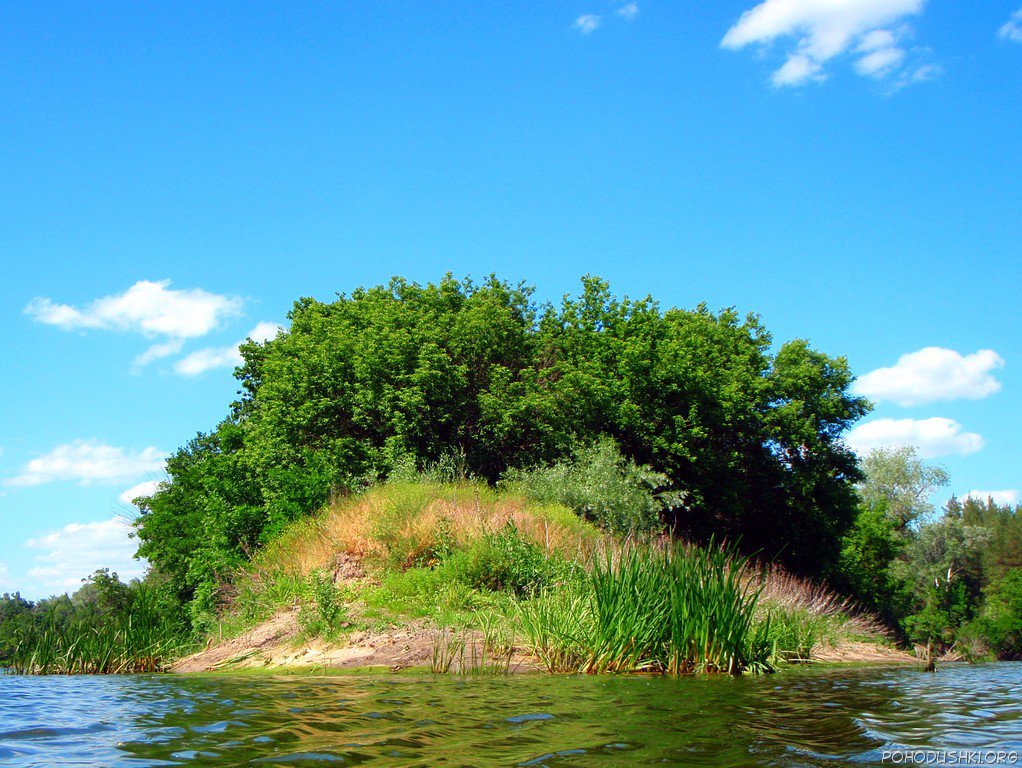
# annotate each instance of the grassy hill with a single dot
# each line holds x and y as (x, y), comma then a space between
(487, 577)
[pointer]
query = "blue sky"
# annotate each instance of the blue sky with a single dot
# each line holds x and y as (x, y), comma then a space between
(174, 177)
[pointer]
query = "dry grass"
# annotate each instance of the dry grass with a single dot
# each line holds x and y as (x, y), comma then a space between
(788, 592)
(401, 524)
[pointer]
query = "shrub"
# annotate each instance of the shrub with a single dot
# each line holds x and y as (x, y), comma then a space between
(504, 560)
(600, 484)
(328, 609)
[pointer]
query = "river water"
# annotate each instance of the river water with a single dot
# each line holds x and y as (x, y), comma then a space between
(804, 718)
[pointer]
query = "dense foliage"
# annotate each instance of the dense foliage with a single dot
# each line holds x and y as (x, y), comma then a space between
(637, 419)
(747, 441)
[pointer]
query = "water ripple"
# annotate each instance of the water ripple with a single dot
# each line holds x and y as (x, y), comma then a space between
(805, 718)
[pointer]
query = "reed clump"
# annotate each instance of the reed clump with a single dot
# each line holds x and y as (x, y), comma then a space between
(488, 651)
(140, 641)
(663, 607)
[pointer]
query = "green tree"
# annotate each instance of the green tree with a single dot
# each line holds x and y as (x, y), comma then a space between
(898, 479)
(865, 569)
(102, 596)
(1002, 616)
(1003, 550)
(944, 563)
(408, 374)
(16, 616)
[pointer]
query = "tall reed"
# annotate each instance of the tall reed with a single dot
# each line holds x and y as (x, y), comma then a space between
(142, 640)
(487, 652)
(665, 608)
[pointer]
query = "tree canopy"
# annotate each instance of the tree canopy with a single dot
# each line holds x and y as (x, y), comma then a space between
(749, 439)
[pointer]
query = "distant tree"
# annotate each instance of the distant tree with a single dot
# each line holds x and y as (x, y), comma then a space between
(942, 568)
(102, 595)
(1003, 551)
(902, 482)
(15, 617)
(1002, 616)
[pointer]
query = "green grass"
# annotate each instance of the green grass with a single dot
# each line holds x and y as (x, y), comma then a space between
(793, 633)
(665, 608)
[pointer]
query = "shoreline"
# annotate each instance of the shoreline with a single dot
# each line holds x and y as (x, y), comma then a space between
(277, 644)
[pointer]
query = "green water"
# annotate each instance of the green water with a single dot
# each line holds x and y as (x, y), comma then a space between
(813, 717)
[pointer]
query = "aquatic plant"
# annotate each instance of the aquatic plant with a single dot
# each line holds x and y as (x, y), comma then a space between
(486, 652)
(140, 640)
(651, 607)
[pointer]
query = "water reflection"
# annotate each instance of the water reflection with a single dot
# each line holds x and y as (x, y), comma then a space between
(807, 718)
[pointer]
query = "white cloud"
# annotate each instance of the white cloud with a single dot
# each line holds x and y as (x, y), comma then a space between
(1012, 29)
(264, 332)
(797, 70)
(203, 360)
(920, 74)
(5, 584)
(146, 488)
(1008, 496)
(146, 307)
(871, 30)
(628, 11)
(933, 437)
(88, 462)
(880, 54)
(152, 309)
(933, 374)
(587, 23)
(158, 352)
(77, 550)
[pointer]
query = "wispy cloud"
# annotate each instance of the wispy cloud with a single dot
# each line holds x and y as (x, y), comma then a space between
(587, 23)
(933, 374)
(933, 437)
(203, 360)
(872, 31)
(88, 462)
(75, 551)
(628, 11)
(1012, 29)
(151, 309)
(879, 54)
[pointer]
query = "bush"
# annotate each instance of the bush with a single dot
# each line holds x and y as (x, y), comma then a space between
(328, 611)
(601, 485)
(505, 560)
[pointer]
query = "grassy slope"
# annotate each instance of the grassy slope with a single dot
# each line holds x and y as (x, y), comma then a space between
(463, 556)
